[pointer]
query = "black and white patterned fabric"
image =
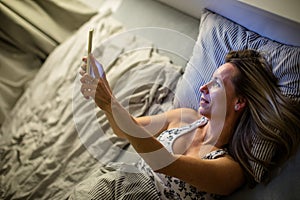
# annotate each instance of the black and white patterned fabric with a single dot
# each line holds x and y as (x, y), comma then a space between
(113, 183)
(171, 188)
(169, 136)
(285, 62)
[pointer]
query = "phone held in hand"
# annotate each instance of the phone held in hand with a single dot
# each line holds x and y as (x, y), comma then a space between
(89, 68)
(89, 50)
(100, 69)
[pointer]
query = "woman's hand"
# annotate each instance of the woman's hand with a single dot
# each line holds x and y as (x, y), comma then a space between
(96, 86)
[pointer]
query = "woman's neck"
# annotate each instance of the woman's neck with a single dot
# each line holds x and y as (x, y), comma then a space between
(219, 133)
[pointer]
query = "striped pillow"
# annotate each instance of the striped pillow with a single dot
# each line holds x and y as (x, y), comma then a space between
(217, 36)
(285, 62)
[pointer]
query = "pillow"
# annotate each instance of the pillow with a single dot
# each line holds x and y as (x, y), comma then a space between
(217, 36)
(285, 62)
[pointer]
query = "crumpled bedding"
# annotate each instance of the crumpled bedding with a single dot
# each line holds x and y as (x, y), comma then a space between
(53, 137)
(29, 31)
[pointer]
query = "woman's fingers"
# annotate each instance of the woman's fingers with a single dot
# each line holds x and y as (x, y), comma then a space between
(82, 70)
(83, 66)
(84, 59)
(87, 94)
(88, 91)
(96, 87)
(89, 86)
(96, 68)
(86, 78)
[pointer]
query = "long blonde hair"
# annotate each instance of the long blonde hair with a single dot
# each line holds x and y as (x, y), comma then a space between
(270, 121)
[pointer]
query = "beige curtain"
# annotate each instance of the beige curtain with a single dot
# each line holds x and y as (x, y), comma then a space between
(29, 31)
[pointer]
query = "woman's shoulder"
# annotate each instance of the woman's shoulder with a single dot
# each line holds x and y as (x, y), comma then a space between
(184, 115)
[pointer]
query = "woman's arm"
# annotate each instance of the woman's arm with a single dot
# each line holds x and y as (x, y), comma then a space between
(220, 176)
(154, 124)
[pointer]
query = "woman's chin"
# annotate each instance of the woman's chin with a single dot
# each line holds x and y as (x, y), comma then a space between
(202, 111)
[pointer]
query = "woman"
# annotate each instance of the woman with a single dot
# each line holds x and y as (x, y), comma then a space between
(209, 152)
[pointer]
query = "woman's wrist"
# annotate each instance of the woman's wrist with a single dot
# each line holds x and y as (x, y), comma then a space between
(106, 105)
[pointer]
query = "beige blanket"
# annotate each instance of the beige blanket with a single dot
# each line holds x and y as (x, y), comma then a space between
(53, 137)
(29, 31)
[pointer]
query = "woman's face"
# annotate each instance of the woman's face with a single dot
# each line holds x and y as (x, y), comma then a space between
(218, 96)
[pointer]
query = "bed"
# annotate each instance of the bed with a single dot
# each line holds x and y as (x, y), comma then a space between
(155, 60)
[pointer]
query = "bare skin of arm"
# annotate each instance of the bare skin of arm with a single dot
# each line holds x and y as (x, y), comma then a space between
(219, 176)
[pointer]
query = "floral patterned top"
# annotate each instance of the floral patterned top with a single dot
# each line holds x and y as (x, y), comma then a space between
(173, 188)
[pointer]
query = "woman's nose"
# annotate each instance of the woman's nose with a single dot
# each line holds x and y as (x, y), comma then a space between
(204, 89)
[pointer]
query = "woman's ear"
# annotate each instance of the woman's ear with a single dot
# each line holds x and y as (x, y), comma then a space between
(240, 104)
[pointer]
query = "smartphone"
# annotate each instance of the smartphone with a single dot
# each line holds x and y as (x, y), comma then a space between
(89, 50)
(99, 67)
(89, 67)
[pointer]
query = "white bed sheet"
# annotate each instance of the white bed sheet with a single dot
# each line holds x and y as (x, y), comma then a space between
(42, 152)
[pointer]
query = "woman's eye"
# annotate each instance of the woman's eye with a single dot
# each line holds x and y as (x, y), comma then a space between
(215, 84)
